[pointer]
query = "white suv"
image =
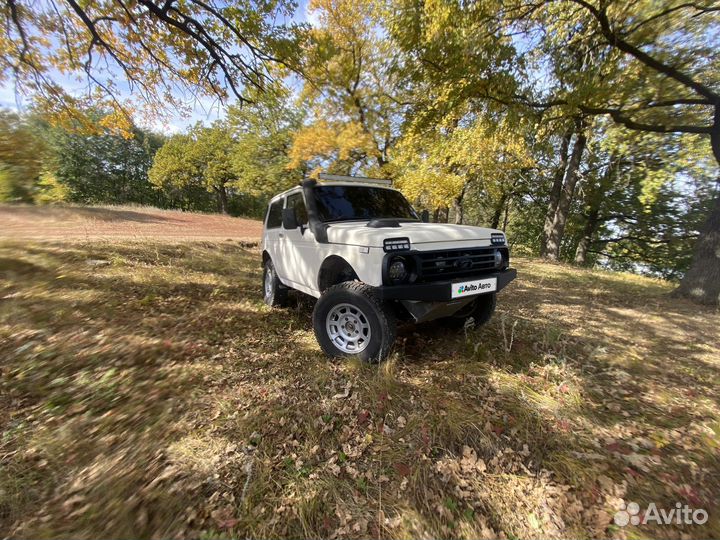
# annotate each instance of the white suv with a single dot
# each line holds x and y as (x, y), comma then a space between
(359, 247)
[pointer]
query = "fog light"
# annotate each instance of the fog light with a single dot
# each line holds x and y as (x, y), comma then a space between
(397, 270)
(498, 259)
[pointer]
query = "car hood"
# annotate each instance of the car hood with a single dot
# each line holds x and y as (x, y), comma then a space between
(422, 235)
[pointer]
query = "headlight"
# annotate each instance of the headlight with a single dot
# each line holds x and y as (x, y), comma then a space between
(499, 262)
(396, 244)
(398, 270)
(497, 239)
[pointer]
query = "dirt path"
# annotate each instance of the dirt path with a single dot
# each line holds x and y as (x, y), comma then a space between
(97, 223)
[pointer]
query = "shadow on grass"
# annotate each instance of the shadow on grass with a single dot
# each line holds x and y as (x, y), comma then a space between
(100, 214)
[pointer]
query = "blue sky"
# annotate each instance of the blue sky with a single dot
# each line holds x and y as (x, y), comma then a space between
(206, 109)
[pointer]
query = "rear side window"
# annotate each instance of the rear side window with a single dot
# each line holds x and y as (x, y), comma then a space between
(274, 215)
(296, 202)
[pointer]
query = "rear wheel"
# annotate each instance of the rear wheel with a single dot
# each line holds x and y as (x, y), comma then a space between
(480, 310)
(350, 320)
(274, 294)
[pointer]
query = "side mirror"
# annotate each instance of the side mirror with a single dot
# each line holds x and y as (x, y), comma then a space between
(425, 216)
(288, 219)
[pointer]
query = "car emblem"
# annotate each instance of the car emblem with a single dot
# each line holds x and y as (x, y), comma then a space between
(464, 264)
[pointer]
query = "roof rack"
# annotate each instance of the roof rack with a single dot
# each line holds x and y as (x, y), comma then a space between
(361, 179)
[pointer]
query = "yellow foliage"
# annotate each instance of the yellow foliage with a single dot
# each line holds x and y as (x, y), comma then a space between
(50, 190)
(435, 167)
(323, 145)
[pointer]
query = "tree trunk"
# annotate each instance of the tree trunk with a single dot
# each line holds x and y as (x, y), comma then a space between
(702, 281)
(566, 197)
(445, 214)
(458, 204)
(222, 199)
(436, 215)
(595, 198)
(497, 211)
(589, 231)
(507, 215)
(555, 192)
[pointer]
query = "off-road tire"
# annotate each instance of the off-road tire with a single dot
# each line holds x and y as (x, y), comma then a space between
(380, 319)
(481, 311)
(274, 293)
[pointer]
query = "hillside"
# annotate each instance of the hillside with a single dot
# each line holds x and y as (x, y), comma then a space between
(121, 222)
(155, 395)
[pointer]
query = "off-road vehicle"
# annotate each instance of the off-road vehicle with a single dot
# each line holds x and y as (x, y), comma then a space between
(358, 246)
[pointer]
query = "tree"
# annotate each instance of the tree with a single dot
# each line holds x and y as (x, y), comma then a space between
(101, 168)
(647, 66)
(264, 131)
(351, 89)
(440, 165)
(21, 157)
(160, 52)
(657, 73)
(199, 160)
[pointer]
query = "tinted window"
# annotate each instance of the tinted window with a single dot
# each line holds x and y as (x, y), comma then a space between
(274, 215)
(296, 202)
(339, 203)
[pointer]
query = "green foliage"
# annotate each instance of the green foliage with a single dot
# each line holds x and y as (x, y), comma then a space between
(104, 168)
(196, 161)
(263, 132)
(177, 177)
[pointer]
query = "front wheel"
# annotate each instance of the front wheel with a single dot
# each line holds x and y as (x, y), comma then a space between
(274, 294)
(480, 310)
(350, 320)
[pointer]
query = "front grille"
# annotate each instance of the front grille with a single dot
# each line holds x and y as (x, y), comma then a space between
(455, 263)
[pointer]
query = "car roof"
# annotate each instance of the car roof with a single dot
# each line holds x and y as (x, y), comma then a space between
(295, 189)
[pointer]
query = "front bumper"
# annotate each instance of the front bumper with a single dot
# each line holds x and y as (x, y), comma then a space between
(440, 291)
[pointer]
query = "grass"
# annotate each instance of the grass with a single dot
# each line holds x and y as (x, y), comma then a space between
(155, 395)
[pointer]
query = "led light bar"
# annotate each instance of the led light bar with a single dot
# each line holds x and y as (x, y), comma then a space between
(497, 239)
(361, 179)
(396, 244)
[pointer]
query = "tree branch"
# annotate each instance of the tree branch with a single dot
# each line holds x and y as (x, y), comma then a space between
(615, 40)
(619, 117)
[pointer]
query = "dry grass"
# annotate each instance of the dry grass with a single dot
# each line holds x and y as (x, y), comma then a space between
(156, 396)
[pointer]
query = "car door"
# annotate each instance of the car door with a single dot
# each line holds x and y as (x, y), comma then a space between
(299, 248)
(273, 230)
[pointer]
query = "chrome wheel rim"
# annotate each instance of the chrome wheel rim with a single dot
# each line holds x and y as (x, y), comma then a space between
(268, 282)
(348, 328)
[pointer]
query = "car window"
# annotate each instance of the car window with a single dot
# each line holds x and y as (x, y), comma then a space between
(274, 215)
(340, 203)
(296, 202)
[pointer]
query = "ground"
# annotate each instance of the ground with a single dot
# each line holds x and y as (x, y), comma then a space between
(146, 391)
(121, 222)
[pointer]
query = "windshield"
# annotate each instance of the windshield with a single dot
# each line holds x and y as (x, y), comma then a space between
(341, 203)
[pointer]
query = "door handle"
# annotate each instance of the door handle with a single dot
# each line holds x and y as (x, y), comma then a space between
(281, 235)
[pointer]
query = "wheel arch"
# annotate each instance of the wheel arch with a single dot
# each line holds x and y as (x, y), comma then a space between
(333, 270)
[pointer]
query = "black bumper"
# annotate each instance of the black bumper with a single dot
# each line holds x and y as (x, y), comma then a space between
(440, 291)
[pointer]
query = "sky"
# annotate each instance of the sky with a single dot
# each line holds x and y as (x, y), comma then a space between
(205, 110)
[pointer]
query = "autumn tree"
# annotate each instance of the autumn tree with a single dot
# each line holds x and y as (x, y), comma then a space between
(263, 131)
(441, 165)
(646, 66)
(139, 56)
(197, 161)
(22, 153)
(654, 70)
(351, 89)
